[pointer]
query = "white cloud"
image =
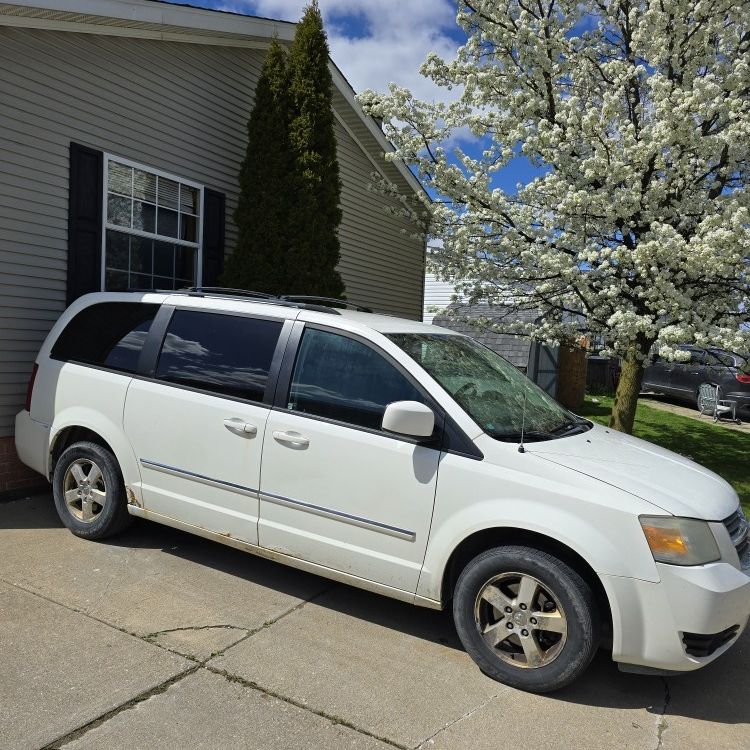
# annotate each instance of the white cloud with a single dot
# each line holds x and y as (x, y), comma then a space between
(397, 36)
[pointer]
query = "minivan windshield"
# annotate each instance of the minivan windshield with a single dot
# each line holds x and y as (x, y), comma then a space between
(499, 397)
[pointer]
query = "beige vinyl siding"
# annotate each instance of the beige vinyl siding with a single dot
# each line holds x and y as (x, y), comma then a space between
(181, 108)
(178, 107)
(382, 265)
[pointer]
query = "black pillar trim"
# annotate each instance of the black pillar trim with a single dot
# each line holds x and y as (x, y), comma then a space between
(214, 218)
(84, 221)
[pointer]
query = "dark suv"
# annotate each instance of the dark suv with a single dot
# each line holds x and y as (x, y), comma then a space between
(683, 379)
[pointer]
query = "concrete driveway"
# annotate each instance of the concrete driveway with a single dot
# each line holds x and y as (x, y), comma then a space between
(158, 639)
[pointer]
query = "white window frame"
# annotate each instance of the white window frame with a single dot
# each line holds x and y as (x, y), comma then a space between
(149, 235)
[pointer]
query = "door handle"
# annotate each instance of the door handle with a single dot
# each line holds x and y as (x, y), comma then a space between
(292, 439)
(240, 427)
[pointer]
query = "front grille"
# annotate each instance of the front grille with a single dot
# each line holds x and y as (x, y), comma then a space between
(735, 523)
(738, 529)
(698, 644)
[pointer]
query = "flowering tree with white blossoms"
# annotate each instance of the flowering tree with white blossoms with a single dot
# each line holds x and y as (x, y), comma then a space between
(637, 114)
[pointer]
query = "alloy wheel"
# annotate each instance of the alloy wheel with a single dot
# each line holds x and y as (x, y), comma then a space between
(521, 620)
(84, 490)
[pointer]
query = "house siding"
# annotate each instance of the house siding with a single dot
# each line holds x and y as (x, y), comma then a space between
(382, 264)
(437, 296)
(178, 107)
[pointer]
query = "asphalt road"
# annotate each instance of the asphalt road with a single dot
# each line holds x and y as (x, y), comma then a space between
(158, 639)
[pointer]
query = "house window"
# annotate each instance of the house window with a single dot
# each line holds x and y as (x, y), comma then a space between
(152, 228)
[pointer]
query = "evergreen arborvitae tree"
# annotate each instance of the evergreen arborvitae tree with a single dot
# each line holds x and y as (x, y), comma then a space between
(261, 260)
(314, 248)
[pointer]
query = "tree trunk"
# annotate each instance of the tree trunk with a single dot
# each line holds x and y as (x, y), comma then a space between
(626, 396)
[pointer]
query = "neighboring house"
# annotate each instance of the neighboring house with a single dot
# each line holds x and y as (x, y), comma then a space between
(122, 130)
(537, 361)
(437, 296)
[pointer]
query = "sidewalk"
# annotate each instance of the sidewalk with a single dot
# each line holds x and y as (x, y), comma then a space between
(664, 403)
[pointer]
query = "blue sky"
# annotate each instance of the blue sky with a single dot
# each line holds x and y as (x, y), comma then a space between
(375, 42)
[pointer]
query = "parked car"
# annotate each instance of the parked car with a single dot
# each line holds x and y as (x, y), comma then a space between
(682, 380)
(396, 456)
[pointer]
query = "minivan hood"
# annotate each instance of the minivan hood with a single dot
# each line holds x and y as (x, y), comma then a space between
(669, 481)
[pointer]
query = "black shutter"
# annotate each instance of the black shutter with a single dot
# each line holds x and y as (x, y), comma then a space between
(84, 221)
(213, 236)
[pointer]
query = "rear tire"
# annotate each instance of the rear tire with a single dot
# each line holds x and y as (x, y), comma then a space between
(526, 618)
(89, 491)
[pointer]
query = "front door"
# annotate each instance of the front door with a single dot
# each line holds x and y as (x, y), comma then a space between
(335, 489)
(197, 427)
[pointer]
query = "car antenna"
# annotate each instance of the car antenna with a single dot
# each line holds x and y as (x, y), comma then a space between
(521, 449)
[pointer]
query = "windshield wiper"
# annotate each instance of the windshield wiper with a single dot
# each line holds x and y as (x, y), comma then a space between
(573, 427)
(564, 430)
(529, 436)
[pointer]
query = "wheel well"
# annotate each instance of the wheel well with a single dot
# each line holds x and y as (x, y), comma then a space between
(74, 434)
(486, 539)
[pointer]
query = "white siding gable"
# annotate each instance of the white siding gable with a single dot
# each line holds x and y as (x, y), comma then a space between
(437, 294)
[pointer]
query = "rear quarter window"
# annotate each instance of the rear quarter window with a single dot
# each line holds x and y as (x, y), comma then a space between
(109, 334)
(723, 358)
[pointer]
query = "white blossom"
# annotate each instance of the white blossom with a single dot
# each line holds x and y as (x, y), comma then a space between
(639, 113)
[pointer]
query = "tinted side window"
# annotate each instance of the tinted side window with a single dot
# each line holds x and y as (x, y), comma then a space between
(110, 334)
(227, 354)
(342, 379)
(717, 358)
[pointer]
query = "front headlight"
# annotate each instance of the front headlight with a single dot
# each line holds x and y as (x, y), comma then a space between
(680, 541)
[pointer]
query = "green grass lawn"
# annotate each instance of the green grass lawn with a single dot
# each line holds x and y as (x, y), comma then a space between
(727, 452)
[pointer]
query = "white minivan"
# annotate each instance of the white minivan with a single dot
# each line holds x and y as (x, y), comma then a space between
(395, 456)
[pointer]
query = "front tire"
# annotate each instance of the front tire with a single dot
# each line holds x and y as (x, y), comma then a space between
(89, 491)
(526, 618)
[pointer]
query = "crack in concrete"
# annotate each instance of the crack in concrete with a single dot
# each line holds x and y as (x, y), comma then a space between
(131, 703)
(198, 664)
(59, 743)
(451, 723)
(77, 610)
(194, 627)
(152, 638)
(661, 724)
(111, 580)
(102, 595)
(272, 621)
(147, 638)
(298, 704)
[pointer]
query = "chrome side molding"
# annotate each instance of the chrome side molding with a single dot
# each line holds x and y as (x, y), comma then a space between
(318, 510)
(202, 478)
(338, 515)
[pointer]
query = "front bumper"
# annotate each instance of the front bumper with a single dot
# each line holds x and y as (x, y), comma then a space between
(651, 620)
(32, 442)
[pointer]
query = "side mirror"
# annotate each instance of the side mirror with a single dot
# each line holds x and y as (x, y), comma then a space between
(409, 418)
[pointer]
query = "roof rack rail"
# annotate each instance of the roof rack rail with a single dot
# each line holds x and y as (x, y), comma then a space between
(263, 297)
(304, 298)
(228, 291)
